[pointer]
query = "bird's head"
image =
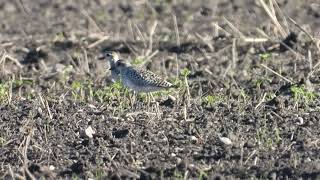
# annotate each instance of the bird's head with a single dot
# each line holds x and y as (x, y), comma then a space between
(121, 64)
(110, 56)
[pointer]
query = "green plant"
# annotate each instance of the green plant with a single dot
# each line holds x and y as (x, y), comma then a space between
(82, 90)
(74, 176)
(177, 174)
(203, 175)
(20, 82)
(270, 96)
(98, 173)
(59, 36)
(260, 81)
(265, 56)
(77, 90)
(4, 92)
(107, 94)
(301, 94)
(2, 141)
(212, 100)
(102, 94)
(66, 73)
(177, 82)
(244, 95)
(185, 72)
(138, 61)
(268, 138)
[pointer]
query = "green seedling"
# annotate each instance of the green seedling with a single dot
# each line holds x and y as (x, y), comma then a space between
(270, 96)
(2, 141)
(185, 72)
(265, 56)
(109, 93)
(19, 82)
(59, 36)
(244, 95)
(66, 73)
(99, 174)
(259, 82)
(268, 138)
(203, 175)
(4, 92)
(177, 82)
(138, 61)
(74, 176)
(77, 92)
(177, 174)
(212, 100)
(301, 94)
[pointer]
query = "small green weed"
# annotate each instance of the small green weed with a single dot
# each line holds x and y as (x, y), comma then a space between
(4, 92)
(2, 141)
(203, 175)
(260, 81)
(177, 174)
(267, 138)
(77, 90)
(301, 94)
(19, 82)
(265, 56)
(244, 95)
(185, 72)
(59, 36)
(212, 100)
(110, 92)
(99, 174)
(138, 61)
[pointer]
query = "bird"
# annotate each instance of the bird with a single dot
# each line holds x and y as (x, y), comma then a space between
(112, 58)
(140, 80)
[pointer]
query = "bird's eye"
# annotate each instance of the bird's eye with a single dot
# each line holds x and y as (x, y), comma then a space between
(108, 54)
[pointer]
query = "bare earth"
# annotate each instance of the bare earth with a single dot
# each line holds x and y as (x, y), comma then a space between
(250, 109)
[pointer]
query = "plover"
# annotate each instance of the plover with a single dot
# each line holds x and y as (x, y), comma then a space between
(140, 80)
(112, 57)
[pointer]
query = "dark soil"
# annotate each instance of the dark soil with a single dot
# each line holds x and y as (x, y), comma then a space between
(242, 120)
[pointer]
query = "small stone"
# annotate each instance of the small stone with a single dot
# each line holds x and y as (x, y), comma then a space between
(225, 140)
(89, 132)
(300, 121)
(51, 167)
(172, 98)
(194, 139)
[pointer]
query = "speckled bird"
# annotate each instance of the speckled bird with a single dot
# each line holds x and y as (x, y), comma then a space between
(140, 80)
(112, 58)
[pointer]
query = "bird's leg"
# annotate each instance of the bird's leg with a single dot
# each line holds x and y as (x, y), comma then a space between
(157, 108)
(153, 100)
(149, 101)
(133, 99)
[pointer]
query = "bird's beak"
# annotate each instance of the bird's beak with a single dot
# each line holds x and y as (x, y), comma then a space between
(101, 57)
(112, 68)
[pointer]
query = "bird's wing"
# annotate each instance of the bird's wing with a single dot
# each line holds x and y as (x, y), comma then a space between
(144, 77)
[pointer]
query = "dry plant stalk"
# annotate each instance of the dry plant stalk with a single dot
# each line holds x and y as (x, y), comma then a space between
(90, 19)
(242, 36)
(151, 33)
(271, 13)
(274, 72)
(176, 29)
